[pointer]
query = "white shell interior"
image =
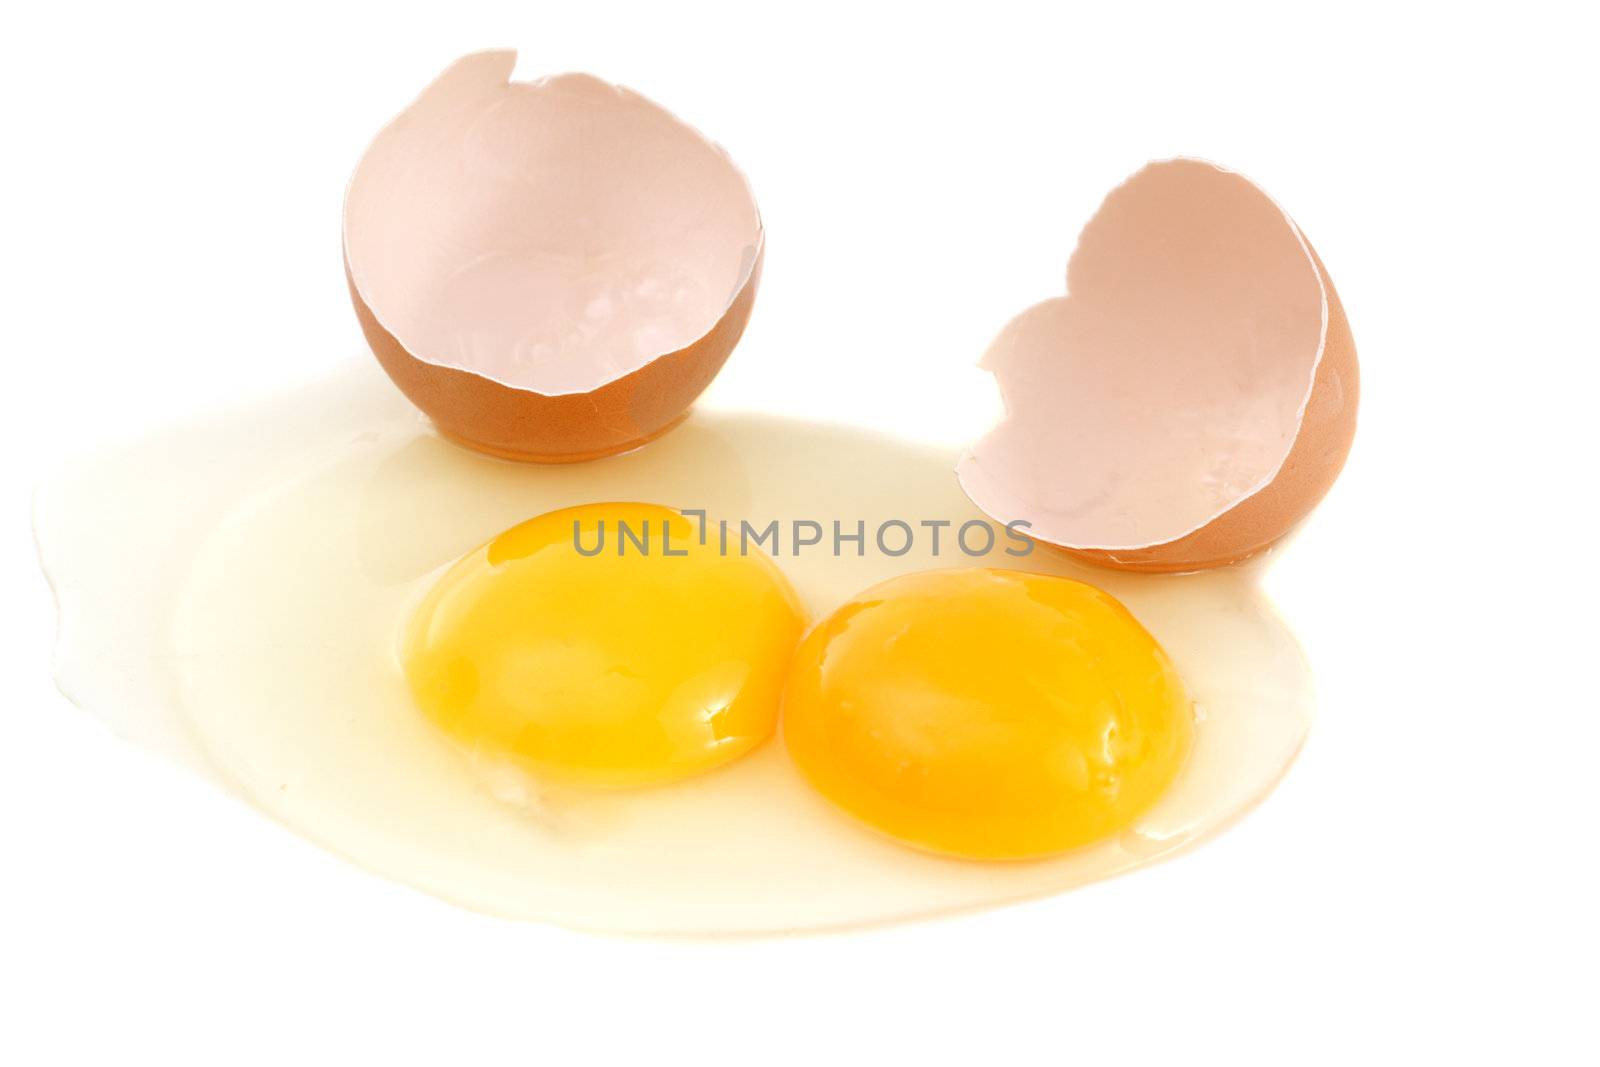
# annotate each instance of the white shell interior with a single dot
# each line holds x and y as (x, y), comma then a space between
(1169, 384)
(552, 235)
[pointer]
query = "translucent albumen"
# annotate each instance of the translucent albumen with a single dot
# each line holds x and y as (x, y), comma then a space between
(241, 614)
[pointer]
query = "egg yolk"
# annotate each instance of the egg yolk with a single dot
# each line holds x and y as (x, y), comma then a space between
(605, 645)
(987, 714)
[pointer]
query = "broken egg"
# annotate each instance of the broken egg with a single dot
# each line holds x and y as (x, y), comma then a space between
(1190, 399)
(986, 713)
(440, 666)
(551, 270)
(255, 617)
(606, 668)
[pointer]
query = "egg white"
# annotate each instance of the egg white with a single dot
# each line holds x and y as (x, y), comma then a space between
(231, 593)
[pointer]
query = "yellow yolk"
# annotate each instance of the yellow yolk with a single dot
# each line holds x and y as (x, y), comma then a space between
(986, 713)
(649, 660)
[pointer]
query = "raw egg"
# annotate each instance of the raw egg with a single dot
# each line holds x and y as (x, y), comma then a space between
(605, 644)
(359, 631)
(990, 714)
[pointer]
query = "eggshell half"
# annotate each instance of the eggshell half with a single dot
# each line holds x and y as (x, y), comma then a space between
(550, 270)
(1190, 400)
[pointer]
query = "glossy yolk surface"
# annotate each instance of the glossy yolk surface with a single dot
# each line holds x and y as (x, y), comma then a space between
(631, 666)
(986, 713)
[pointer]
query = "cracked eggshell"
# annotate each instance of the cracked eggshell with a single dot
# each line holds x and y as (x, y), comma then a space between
(1190, 400)
(551, 270)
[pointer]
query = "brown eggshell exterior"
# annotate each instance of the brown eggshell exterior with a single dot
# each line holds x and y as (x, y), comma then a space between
(1256, 524)
(534, 427)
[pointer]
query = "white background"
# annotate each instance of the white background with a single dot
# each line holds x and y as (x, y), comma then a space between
(1421, 885)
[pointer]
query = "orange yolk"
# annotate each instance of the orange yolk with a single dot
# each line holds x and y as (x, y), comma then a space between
(652, 659)
(987, 713)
